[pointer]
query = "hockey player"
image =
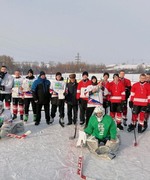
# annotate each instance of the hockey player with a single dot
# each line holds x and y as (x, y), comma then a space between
(41, 95)
(6, 84)
(72, 103)
(95, 93)
(100, 134)
(117, 98)
(27, 94)
(82, 96)
(6, 123)
(127, 83)
(57, 90)
(105, 84)
(139, 100)
(17, 95)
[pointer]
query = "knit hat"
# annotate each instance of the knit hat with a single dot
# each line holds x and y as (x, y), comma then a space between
(42, 73)
(85, 73)
(30, 71)
(72, 76)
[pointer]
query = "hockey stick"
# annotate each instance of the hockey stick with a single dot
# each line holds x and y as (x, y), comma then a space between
(135, 140)
(19, 136)
(75, 132)
(80, 166)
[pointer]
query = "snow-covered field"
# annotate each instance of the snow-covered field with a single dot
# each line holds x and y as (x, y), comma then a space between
(48, 154)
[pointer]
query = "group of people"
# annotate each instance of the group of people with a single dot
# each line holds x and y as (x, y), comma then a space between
(91, 96)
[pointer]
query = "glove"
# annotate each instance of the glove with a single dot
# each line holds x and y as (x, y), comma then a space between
(123, 103)
(36, 101)
(81, 138)
(107, 103)
(130, 104)
(79, 101)
(2, 88)
(2, 74)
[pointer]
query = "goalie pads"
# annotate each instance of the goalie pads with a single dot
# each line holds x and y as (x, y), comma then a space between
(81, 139)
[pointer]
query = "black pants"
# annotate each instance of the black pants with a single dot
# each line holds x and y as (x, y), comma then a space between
(61, 108)
(7, 98)
(89, 113)
(83, 110)
(38, 112)
(27, 102)
(71, 108)
(116, 107)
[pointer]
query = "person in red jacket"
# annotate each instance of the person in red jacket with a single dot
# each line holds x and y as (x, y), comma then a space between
(127, 83)
(139, 100)
(117, 98)
(82, 96)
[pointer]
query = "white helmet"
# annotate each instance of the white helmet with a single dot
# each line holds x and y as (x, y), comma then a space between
(1, 106)
(99, 109)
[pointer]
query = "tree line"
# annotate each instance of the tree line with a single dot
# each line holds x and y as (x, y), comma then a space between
(53, 67)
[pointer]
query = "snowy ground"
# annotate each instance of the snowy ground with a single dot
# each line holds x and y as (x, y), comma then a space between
(48, 154)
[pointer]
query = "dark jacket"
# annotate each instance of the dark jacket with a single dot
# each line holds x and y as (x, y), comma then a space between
(71, 89)
(40, 89)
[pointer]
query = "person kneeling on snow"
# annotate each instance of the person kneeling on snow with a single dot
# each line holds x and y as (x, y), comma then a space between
(6, 123)
(100, 134)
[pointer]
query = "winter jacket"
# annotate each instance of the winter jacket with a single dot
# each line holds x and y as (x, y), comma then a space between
(116, 92)
(26, 85)
(71, 91)
(7, 82)
(101, 130)
(96, 98)
(81, 88)
(140, 94)
(40, 91)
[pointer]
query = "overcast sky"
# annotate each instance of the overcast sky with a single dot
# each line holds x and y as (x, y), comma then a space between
(102, 31)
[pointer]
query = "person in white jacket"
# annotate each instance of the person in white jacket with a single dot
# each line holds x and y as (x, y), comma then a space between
(6, 84)
(27, 94)
(17, 95)
(95, 93)
(57, 90)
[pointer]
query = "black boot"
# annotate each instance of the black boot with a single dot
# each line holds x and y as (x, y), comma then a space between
(120, 126)
(125, 121)
(48, 122)
(140, 128)
(14, 116)
(21, 117)
(131, 127)
(37, 123)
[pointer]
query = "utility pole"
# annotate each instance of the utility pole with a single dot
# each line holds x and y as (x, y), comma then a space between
(78, 62)
(77, 58)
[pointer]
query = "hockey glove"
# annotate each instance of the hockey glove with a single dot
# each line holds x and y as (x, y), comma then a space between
(2, 88)
(130, 104)
(107, 103)
(2, 74)
(123, 103)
